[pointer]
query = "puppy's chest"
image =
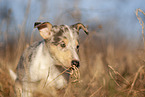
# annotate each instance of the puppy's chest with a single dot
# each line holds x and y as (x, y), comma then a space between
(47, 73)
(43, 68)
(40, 67)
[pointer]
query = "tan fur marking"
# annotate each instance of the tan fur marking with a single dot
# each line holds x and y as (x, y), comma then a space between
(64, 57)
(66, 41)
(77, 42)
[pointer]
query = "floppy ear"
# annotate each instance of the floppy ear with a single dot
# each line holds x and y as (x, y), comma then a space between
(79, 26)
(44, 29)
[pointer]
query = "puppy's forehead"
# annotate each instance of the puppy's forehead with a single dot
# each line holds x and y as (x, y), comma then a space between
(64, 28)
(63, 31)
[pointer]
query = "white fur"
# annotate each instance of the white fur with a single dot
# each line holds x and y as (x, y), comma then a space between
(42, 65)
(72, 44)
(71, 34)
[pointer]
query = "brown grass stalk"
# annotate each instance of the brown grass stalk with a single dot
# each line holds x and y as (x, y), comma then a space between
(114, 79)
(74, 72)
(117, 73)
(135, 78)
(96, 91)
(141, 23)
(57, 76)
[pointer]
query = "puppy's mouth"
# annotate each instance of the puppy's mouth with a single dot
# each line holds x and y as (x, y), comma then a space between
(72, 67)
(74, 64)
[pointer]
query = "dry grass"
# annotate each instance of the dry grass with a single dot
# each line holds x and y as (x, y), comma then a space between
(141, 23)
(109, 68)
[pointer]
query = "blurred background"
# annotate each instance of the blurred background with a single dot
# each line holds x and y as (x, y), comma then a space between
(112, 56)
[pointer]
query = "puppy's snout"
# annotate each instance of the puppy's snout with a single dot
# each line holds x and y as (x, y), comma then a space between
(76, 63)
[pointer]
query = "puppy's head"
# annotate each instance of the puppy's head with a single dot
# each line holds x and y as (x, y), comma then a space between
(62, 42)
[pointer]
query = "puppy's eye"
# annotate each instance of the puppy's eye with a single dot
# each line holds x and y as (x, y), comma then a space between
(62, 45)
(78, 46)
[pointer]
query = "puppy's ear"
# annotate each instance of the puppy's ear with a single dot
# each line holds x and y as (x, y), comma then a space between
(44, 29)
(79, 26)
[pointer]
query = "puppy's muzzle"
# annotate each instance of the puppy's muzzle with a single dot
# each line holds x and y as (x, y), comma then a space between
(76, 63)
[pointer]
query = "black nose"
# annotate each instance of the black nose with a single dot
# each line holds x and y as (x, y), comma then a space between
(76, 63)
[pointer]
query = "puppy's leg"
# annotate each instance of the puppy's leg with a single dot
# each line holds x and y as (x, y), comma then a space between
(23, 89)
(27, 90)
(18, 88)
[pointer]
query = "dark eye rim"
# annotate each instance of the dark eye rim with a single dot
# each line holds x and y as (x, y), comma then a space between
(63, 45)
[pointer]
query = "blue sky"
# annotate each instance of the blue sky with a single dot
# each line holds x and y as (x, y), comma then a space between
(120, 12)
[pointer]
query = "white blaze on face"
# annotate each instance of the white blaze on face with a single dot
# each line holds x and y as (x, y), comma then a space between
(72, 44)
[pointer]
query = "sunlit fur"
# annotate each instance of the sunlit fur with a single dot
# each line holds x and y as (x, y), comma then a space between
(64, 56)
(43, 61)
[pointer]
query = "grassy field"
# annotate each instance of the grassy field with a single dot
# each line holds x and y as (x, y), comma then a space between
(111, 65)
